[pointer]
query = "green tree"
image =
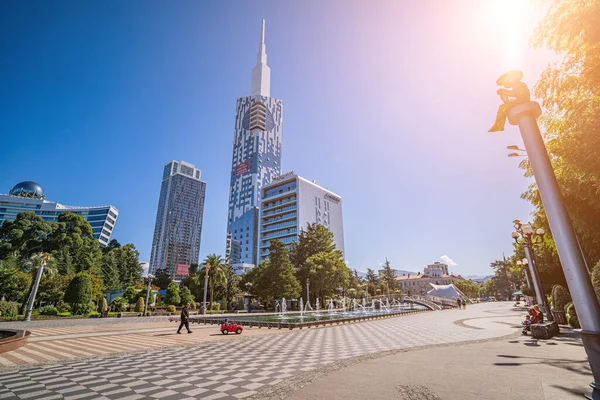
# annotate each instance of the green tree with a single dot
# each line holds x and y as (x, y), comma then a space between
(391, 284)
(26, 235)
(131, 295)
(79, 293)
(327, 273)
(213, 267)
(102, 305)
(128, 262)
(313, 240)
(172, 297)
(372, 282)
(142, 294)
(110, 272)
(74, 236)
(162, 279)
(52, 287)
(468, 287)
(186, 296)
(276, 275)
(569, 94)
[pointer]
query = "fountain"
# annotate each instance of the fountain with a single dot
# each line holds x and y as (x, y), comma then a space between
(12, 339)
(331, 308)
(343, 304)
(283, 306)
(372, 304)
(276, 307)
(301, 305)
(354, 305)
(317, 305)
(387, 303)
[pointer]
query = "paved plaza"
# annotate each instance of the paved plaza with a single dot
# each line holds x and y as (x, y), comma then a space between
(244, 366)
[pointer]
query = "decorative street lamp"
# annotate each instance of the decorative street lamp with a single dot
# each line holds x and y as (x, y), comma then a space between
(524, 113)
(523, 265)
(43, 260)
(149, 277)
(249, 290)
(529, 237)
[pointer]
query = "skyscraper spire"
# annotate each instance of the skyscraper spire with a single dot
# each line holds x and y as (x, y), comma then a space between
(261, 73)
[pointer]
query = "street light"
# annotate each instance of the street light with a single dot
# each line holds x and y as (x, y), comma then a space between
(149, 277)
(516, 155)
(43, 260)
(249, 289)
(529, 237)
(514, 147)
(523, 265)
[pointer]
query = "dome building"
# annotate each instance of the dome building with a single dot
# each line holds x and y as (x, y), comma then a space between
(30, 196)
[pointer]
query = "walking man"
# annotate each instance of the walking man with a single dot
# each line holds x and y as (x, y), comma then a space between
(185, 317)
(458, 302)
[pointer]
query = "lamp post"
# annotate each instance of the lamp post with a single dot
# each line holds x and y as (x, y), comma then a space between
(248, 289)
(523, 265)
(149, 277)
(206, 269)
(524, 113)
(529, 237)
(43, 260)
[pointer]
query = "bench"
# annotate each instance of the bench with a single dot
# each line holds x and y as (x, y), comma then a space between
(124, 315)
(544, 330)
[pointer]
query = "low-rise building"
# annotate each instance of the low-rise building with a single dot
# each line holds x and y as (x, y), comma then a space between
(29, 196)
(419, 284)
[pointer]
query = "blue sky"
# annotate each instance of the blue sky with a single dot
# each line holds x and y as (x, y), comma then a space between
(386, 103)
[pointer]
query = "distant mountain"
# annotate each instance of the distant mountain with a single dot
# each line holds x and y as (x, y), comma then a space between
(405, 272)
(479, 278)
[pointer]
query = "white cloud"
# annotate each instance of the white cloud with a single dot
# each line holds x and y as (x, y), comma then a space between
(448, 260)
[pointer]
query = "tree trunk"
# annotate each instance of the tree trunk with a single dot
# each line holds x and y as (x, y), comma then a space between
(211, 295)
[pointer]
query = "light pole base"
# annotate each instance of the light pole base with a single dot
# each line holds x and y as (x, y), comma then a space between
(591, 343)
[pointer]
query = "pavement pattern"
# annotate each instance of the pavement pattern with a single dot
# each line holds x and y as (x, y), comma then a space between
(244, 366)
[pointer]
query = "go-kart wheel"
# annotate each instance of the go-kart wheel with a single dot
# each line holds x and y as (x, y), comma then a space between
(225, 331)
(238, 331)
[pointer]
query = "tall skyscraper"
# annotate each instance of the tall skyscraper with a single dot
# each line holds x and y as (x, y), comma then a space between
(256, 160)
(178, 219)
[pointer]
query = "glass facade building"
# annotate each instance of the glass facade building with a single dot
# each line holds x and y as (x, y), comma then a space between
(256, 161)
(29, 196)
(178, 225)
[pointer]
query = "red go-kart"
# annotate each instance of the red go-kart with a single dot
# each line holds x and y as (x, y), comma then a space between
(231, 327)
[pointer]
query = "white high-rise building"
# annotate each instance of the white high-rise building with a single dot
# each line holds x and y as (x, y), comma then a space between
(256, 160)
(290, 203)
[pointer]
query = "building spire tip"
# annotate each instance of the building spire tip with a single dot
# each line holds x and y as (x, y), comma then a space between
(262, 39)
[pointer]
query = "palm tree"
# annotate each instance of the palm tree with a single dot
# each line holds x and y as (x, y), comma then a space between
(214, 273)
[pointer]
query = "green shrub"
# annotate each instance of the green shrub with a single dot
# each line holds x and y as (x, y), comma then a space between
(48, 310)
(215, 306)
(130, 295)
(186, 296)
(139, 306)
(119, 304)
(8, 308)
(171, 308)
(102, 305)
(79, 293)
(572, 316)
(63, 307)
(560, 298)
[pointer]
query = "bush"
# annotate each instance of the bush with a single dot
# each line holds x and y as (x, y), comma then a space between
(79, 293)
(48, 310)
(139, 306)
(171, 308)
(216, 306)
(8, 308)
(572, 316)
(102, 305)
(119, 304)
(63, 307)
(560, 298)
